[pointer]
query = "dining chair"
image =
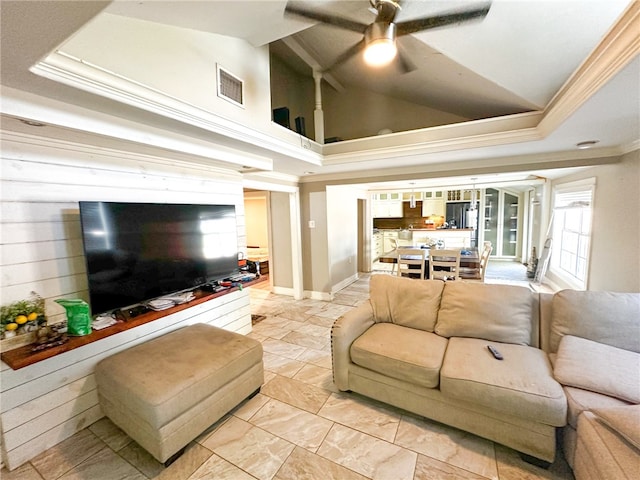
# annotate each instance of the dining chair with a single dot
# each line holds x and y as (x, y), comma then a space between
(394, 245)
(477, 274)
(444, 264)
(411, 262)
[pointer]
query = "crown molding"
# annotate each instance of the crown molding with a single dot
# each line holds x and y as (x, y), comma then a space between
(69, 70)
(619, 46)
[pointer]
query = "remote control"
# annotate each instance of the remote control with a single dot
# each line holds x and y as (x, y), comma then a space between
(496, 354)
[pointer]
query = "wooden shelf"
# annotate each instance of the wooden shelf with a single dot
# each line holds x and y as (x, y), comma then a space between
(24, 356)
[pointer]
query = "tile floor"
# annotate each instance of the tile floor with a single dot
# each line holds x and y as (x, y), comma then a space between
(299, 426)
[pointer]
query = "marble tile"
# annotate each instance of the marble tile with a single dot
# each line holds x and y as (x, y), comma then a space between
(281, 365)
(428, 468)
(142, 460)
(298, 313)
(330, 310)
(105, 465)
(216, 468)
(315, 331)
(318, 376)
(266, 331)
(367, 455)
(304, 465)
(296, 393)
(362, 415)
(71, 452)
(292, 424)
(449, 445)
(188, 463)
(284, 349)
(250, 448)
(306, 340)
(320, 358)
(347, 299)
(248, 408)
(512, 467)
(321, 321)
(23, 472)
(110, 434)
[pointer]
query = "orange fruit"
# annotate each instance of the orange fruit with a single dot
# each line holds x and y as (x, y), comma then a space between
(20, 319)
(11, 326)
(32, 316)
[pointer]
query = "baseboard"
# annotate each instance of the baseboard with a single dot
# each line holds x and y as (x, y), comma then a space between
(344, 284)
(327, 297)
(282, 291)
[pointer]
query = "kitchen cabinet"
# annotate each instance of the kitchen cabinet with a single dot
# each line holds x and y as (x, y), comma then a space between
(386, 205)
(433, 203)
(387, 244)
(377, 249)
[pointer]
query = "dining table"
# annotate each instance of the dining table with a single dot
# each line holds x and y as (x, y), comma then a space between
(469, 257)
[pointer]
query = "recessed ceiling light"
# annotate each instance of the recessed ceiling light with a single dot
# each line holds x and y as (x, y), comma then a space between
(586, 144)
(309, 173)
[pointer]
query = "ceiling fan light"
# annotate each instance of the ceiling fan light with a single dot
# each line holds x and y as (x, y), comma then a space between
(380, 52)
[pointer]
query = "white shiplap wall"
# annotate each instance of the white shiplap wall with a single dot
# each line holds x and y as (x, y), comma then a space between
(41, 250)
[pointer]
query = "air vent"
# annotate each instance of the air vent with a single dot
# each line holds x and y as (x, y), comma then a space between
(230, 87)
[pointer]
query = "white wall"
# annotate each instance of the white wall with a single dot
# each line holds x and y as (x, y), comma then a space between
(178, 62)
(342, 235)
(615, 240)
(42, 182)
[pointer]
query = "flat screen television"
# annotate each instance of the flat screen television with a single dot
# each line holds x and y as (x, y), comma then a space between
(138, 251)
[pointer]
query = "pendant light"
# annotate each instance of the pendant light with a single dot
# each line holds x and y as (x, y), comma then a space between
(412, 198)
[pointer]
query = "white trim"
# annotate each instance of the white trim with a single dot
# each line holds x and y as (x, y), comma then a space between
(324, 296)
(344, 284)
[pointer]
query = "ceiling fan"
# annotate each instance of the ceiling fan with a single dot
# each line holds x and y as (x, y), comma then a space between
(379, 43)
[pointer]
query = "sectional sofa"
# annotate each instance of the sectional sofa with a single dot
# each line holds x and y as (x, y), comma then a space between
(423, 346)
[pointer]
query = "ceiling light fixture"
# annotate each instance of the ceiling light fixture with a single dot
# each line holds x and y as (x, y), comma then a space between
(586, 144)
(381, 49)
(412, 198)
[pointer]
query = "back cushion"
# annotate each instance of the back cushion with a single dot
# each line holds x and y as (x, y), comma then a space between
(606, 317)
(500, 313)
(407, 302)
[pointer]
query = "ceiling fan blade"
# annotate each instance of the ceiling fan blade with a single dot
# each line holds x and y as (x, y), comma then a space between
(427, 23)
(351, 52)
(340, 22)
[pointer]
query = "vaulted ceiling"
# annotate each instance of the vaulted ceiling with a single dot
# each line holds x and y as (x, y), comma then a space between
(569, 64)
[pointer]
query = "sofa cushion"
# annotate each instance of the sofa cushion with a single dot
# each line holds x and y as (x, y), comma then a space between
(579, 400)
(598, 367)
(624, 420)
(521, 384)
(606, 317)
(500, 313)
(603, 454)
(404, 301)
(400, 352)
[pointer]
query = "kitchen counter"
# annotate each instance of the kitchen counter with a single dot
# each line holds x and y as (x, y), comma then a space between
(424, 229)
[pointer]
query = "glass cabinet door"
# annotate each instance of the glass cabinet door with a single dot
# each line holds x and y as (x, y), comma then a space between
(491, 212)
(509, 225)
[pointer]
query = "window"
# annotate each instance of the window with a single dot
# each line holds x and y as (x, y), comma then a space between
(572, 212)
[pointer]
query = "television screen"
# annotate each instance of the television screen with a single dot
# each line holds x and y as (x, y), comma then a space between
(138, 251)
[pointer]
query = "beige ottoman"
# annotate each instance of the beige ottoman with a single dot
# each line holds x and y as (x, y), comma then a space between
(167, 391)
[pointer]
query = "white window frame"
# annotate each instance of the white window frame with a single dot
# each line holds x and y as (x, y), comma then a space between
(572, 230)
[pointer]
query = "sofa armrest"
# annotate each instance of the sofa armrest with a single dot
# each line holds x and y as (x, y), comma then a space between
(343, 333)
